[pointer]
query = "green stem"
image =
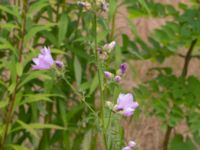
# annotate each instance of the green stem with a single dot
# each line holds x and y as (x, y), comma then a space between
(9, 114)
(112, 28)
(100, 81)
(82, 98)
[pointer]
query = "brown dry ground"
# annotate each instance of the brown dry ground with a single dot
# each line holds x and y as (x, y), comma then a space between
(147, 131)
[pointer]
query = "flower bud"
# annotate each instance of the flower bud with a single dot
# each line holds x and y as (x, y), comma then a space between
(123, 68)
(85, 5)
(59, 64)
(108, 74)
(104, 6)
(126, 148)
(131, 144)
(110, 105)
(117, 78)
(109, 47)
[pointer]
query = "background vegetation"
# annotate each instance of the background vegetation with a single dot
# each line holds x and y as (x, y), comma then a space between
(66, 108)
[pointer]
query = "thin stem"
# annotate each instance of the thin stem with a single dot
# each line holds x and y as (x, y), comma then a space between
(184, 74)
(9, 113)
(100, 81)
(82, 98)
(188, 58)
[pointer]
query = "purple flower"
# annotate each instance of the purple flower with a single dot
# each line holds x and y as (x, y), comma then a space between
(126, 105)
(123, 68)
(126, 148)
(108, 74)
(117, 78)
(131, 144)
(44, 61)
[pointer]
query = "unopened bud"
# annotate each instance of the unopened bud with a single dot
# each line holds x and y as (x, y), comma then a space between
(108, 74)
(109, 47)
(85, 5)
(131, 144)
(117, 78)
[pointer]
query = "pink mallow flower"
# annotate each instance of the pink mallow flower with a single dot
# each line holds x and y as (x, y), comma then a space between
(126, 105)
(45, 61)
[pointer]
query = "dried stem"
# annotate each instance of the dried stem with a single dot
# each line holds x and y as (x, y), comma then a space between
(188, 58)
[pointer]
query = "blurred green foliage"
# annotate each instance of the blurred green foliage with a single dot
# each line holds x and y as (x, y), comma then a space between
(174, 98)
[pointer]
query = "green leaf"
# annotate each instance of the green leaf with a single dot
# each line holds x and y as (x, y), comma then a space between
(17, 147)
(37, 6)
(37, 28)
(31, 98)
(10, 10)
(62, 27)
(177, 143)
(11, 88)
(94, 84)
(9, 26)
(34, 75)
(28, 128)
(112, 7)
(143, 3)
(3, 103)
(19, 69)
(5, 44)
(87, 140)
(77, 70)
(32, 126)
(45, 126)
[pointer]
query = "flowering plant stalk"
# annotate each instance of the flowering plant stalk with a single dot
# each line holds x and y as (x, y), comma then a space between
(53, 92)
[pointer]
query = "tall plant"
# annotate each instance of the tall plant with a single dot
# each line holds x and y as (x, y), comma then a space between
(55, 98)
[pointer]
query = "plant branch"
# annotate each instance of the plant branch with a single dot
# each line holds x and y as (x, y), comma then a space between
(188, 58)
(9, 114)
(192, 56)
(184, 74)
(99, 77)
